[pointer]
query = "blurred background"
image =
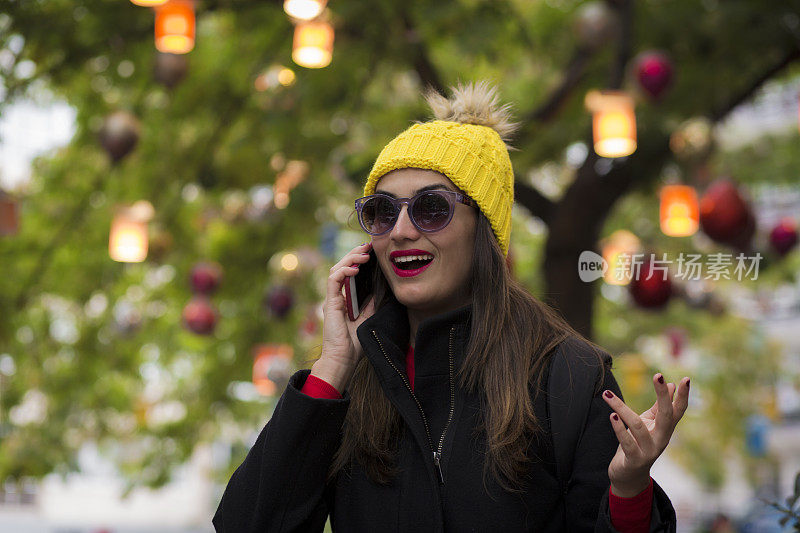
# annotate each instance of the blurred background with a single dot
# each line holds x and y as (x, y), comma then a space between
(176, 179)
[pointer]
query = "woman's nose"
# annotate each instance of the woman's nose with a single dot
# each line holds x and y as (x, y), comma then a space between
(404, 228)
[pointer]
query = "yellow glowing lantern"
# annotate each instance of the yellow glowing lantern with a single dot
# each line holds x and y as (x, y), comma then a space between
(294, 173)
(271, 366)
(632, 372)
(304, 9)
(276, 75)
(128, 238)
(175, 27)
(149, 3)
(680, 214)
(613, 123)
(289, 262)
(313, 44)
(618, 250)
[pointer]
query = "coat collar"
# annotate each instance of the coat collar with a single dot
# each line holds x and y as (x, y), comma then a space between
(432, 343)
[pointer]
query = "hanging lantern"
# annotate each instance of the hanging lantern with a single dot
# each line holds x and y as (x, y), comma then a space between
(293, 174)
(275, 76)
(175, 27)
(9, 214)
(128, 237)
(633, 372)
(149, 3)
(783, 237)
(199, 316)
(272, 365)
(304, 9)
(725, 216)
(613, 123)
(654, 72)
(619, 245)
(679, 210)
(119, 134)
(313, 44)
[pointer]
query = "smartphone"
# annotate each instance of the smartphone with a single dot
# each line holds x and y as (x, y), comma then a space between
(358, 288)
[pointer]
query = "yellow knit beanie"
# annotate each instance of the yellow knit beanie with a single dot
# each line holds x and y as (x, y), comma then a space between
(467, 144)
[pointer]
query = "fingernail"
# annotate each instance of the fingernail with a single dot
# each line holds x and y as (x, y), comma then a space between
(661, 379)
(609, 394)
(614, 416)
(688, 381)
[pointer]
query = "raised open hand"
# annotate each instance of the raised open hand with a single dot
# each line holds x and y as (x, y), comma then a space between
(646, 435)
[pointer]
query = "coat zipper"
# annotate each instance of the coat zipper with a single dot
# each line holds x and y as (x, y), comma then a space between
(437, 453)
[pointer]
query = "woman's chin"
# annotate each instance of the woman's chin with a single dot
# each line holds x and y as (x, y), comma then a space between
(413, 299)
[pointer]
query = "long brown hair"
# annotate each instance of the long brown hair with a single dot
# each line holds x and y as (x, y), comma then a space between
(512, 337)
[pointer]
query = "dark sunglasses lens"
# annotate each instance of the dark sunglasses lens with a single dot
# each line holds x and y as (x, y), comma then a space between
(378, 214)
(431, 211)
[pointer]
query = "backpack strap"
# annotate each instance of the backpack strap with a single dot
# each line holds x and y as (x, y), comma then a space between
(570, 389)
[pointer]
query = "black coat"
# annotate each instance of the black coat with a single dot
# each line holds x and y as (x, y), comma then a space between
(280, 486)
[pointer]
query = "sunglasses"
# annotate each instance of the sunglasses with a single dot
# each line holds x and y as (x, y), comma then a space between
(429, 210)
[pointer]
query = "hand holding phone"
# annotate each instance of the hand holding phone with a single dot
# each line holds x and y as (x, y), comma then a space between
(358, 288)
(341, 348)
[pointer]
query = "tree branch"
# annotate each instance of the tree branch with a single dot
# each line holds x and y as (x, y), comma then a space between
(421, 59)
(538, 204)
(572, 77)
(748, 91)
(624, 10)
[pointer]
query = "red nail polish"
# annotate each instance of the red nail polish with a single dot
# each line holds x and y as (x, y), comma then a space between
(614, 416)
(661, 379)
(609, 394)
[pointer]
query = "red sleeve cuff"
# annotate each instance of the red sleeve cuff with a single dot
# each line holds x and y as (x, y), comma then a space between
(631, 515)
(319, 388)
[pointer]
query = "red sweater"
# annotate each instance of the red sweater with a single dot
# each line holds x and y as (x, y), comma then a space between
(629, 515)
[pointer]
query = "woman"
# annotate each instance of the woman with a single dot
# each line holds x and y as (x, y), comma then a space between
(444, 423)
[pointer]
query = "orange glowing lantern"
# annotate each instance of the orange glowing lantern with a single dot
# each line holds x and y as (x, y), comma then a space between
(680, 213)
(304, 9)
(613, 123)
(175, 27)
(9, 214)
(618, 250)
(271, 367)
(149, 3)
(128, 238)
(313, 44)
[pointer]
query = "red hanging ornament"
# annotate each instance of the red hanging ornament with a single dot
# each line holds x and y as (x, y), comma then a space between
(654, 72)
(650, 287)
(170, 69)
(205, 277)
(725, 216)
(9, 214)
(199, 316)
(677, 338)
(280, 301)
(783, 237)
(595, 24)
(119, 134)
